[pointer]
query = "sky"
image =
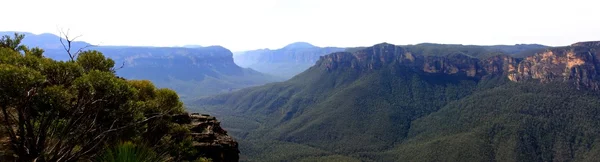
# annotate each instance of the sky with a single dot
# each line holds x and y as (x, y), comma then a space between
(255, 24)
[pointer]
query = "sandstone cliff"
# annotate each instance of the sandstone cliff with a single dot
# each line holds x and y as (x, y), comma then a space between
(576, 64)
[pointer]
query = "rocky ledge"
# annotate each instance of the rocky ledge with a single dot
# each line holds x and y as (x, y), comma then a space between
(210, 139)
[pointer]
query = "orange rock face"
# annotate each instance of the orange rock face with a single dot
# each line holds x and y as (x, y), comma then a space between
(576, 64)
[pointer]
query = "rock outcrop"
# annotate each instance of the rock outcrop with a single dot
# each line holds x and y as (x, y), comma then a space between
(386, 54)
(577, 64)
(210, 140)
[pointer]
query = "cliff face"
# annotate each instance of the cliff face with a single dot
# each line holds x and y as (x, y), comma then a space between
(576, 64)
(386, 54)
(205, 61)
(210, 139)
(192, 72)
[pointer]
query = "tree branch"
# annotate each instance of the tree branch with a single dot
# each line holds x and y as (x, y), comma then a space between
(67, 47)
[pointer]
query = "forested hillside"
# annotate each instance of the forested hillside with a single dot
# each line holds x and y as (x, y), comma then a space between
(423, 102)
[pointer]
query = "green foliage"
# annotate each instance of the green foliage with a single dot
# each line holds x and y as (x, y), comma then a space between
(17, 83)
(13, 43)
(67, 111)
(202, 159)
(145, 89)
(430, 49)
(94, 60)
(514, 122)
(129, 152)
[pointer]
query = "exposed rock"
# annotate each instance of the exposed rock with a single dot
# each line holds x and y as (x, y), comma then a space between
(575, 64)
(591, 44)
(385, 54)
(455, 64)
(500, 64)
(210, 139)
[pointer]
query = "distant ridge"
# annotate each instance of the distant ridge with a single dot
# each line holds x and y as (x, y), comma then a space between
(299, 45)
(192, 71)
(284, 62)
(45, 41)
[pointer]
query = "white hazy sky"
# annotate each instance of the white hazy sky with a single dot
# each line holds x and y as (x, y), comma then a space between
(253, 24)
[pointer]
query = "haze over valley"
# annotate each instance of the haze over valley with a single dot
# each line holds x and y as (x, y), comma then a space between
(299, 80)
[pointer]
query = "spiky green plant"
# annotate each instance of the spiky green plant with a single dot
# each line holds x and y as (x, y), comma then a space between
(203, 159)
(129, 152)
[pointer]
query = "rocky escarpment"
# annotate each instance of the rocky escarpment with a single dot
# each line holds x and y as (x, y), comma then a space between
(576, 64)
(385, 54)
(210, 140)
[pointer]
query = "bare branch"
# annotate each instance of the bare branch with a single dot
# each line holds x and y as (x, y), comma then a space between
(67, 46)
(121, 67)
(76, 37)
(81, 49)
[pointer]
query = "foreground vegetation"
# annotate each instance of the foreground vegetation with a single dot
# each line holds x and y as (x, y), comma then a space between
(80, 110)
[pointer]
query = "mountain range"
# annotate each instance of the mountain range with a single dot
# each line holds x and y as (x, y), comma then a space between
(192, 72)
(425, 102)
(285, 62)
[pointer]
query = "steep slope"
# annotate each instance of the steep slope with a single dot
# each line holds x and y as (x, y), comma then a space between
(351, 105)
(515, 122)
(285, 62)
(192, 72)
(578, 63)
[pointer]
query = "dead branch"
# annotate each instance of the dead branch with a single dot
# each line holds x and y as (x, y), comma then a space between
(68, 46)
(121, 67)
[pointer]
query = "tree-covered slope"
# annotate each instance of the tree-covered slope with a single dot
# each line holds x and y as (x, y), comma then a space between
(340, 106)
(357, 114)
(392, 99)
(515, 122)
